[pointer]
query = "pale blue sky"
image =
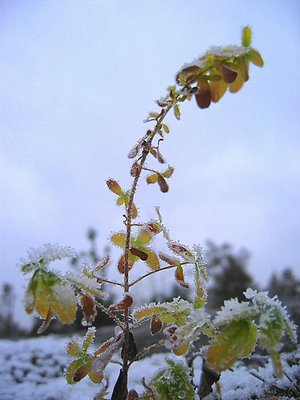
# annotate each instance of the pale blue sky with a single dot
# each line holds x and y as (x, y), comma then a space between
(77, 78)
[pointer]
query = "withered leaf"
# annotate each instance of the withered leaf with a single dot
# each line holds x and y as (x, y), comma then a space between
(203, 96)
(229, 75)
(162, 183)
(123, 304)
(89, 308)
(155, 325)
(135, 169)
(114, 186)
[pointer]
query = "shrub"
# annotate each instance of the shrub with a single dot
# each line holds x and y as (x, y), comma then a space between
(236, 328)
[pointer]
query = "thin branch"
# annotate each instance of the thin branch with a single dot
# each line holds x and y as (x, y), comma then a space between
(155, 271)
(104, 280)
(110, 314)
(147, 350)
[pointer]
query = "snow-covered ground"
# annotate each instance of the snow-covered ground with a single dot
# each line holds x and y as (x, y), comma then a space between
(33, 369)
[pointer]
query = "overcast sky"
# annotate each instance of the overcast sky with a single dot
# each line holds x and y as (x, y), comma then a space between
(77, 78)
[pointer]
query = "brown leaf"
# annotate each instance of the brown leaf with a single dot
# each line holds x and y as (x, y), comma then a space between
(133, 395)
(81, 372)
(135, 169)
(229, 75)
(203, 96)
(153, 227)
(123, 305)
(114, 186)
(89, 308)
(102, 264)
(168, 259)
(179, 276)
(139, 253)
(155, 325)
(162, 183)
(122, 265)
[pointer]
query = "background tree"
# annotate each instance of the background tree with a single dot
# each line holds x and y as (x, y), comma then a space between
(227, 273)
(287, 287)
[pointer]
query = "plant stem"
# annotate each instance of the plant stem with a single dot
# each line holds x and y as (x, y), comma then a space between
(143, 158)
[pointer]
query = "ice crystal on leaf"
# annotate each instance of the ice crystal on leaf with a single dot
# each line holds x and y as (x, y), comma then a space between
(44, 255)
(233, 310)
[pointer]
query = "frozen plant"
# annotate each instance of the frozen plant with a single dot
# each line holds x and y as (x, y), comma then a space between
(236, 328)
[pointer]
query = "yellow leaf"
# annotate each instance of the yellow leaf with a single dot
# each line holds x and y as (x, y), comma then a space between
(256, 58)
(217, 89)
(147, 312)
(152, 178)
(119, 239)
(237, 84)
(236, 341)
(181, 350)
(114, 186)
(144, 237)
(152, 260)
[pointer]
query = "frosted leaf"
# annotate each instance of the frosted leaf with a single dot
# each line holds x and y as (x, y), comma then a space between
(87, 283)
(262, 301)
(44, 255)
(228, 51)
(233, 310)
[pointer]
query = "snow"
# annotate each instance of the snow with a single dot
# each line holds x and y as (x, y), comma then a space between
(33, 369)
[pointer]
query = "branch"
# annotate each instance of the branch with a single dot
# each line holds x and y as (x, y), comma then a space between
(155, 271)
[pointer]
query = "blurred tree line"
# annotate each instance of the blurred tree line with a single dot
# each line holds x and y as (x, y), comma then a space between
(228, 278)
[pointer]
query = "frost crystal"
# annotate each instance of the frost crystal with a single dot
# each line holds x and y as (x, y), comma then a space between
(231, 310)
(262, 301)
(228, 51)
(46, 254)
(89, 284)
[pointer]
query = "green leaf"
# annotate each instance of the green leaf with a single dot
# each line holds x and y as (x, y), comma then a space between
(166, 128)
(236, 341)
(177, 112)
(255, 57)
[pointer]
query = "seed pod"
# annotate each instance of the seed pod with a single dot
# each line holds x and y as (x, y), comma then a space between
(155, 325)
